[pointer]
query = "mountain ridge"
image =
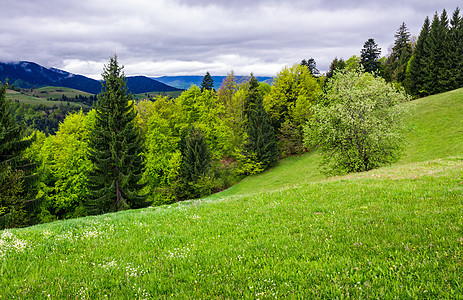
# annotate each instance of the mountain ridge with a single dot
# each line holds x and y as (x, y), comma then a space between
(186, 81)
(25, 74)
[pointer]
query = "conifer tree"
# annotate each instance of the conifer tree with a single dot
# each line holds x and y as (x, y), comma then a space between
(436, 68)
(196, 158)
(207, 83)
(196, 163)
(417, 73)
(401, 53)
(336, 65)
(311, 65)
(15, 172)
(455, 41)
(370, 56)
(262, 144)
(115, 147)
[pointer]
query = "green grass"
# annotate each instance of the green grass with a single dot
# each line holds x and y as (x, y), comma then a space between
(142, 96)
(54, 92)
(436, 127)
(44, 94)
(395, 232)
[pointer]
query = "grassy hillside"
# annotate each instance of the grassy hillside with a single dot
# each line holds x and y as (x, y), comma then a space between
(395, 232)
(48, 96)
(436, 127)
(173, 94)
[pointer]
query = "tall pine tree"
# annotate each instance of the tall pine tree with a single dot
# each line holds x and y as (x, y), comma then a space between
(436, 69)
(370, 56)
(115, 147)
(15, 172)
(417, 72)
(401, 53)
(262, 144)
(455, 43)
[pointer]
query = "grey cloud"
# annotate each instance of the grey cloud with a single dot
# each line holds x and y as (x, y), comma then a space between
(166, 36)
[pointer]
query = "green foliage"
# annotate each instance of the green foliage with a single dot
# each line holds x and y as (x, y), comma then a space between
(416, 75)
(369, 57)
(115, 148)
(360, 127)
(162, 151)
(64, 167)
(196, 163)
(231, 96)
(336, 65)
(436, 64)
(397, 62)
(12, 206)
(14, 169)
(261, 144)
(290, 102)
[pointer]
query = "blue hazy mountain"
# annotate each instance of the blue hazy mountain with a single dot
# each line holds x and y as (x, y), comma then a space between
(26, 74)
(185, 82)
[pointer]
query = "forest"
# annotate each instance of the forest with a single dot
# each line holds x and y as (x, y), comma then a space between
(60, 162)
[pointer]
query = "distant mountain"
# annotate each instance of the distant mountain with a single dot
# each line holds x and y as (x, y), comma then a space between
(142, 84)
(80, 83)
(185, 82)
(26, 74)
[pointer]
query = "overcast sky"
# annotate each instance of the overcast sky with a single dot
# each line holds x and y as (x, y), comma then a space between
(190, 37)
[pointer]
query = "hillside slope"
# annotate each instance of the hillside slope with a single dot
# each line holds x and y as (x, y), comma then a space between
(395, 232)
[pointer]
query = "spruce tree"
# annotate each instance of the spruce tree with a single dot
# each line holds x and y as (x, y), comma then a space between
(196, 163)
(370, 56)
(196, 158)
(115, 147)
(417, 71)
(436, 70)
(401, 53)
(261, 144)
(207, 83)
(15, 172)
(455, 41)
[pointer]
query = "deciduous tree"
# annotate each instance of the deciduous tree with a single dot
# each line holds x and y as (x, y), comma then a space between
(359, 127)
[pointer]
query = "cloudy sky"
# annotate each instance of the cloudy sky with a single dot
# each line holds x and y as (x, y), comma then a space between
(190, 37)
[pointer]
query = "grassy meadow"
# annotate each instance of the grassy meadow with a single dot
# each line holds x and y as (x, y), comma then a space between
(395, 232)
(142, 96)
(47, 96)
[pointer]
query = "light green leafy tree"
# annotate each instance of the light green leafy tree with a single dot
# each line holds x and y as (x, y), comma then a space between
(359, 124)
(162, 151)
(289, 105)
(64, 167)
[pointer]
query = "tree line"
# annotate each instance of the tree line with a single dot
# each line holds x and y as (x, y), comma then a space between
(429, 65)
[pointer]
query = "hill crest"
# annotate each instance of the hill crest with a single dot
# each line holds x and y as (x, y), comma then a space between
(25, 74)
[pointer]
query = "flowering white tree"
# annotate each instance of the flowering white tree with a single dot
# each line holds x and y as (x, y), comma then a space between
(358, 124)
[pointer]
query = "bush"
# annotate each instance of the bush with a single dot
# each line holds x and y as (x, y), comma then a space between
(358, 124)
